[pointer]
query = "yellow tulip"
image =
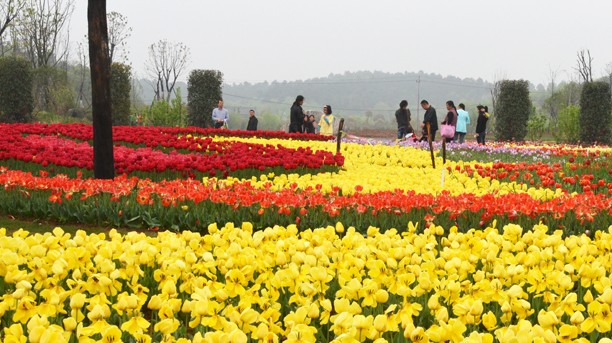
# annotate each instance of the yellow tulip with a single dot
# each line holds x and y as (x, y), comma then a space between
(547, 319)
(381, 296)
(339, 227)
(301, 333)
(417, 335)
(167, 326)
(237, 336)
(77, 301)
(567, 333)
(135, 325)
(70, 324)
(489, 320)
(26, 309)
(577, 318)
(112, 335)
(14, 333)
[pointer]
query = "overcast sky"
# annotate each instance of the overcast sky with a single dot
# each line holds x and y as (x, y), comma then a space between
(270, 40)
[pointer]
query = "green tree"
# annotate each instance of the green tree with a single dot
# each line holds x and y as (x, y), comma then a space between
(121, 85)
(536, 126)
(204, 92)
(568, 125)
(269, 121)
(512, 111)
(52, 90)
(595, 113)
(164, 113)
(16, 101)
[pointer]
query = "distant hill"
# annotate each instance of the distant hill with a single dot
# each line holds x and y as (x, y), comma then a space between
(359, 92)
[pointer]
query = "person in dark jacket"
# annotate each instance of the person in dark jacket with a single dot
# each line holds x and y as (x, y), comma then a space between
(309, 124)
(252, 125)
(297, 118)
(402, 116)
(431, 118)
(481, 124)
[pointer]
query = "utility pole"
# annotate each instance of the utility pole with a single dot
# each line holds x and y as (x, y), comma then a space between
(418, 104)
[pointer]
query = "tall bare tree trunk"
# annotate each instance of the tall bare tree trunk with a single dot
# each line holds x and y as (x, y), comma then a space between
(99, 62)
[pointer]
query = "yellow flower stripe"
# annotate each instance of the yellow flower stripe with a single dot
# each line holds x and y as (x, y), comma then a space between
(506, 283)
(386, 168)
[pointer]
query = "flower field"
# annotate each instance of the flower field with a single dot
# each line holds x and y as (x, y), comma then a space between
(277, 238)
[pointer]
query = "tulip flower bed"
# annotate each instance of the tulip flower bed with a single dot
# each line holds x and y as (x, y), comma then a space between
(235, 284)
(180, 204)
(45, 145)
(382, 186)
(501, 243)
(151, 134)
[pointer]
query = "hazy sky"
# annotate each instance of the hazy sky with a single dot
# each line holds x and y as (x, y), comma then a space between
(270, 40)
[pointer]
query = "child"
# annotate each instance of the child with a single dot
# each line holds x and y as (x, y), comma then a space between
(309, 124)
(326, 124)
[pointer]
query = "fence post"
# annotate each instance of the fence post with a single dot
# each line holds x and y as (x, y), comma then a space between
(443, 150)
(339, 136)
(433, 160)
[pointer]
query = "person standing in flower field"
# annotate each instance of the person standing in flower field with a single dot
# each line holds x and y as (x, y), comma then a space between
(463, 120)
(297, 118)
(220, 116)
(326, 124)
(451, 118)
(402, 116)
(431, 118)
(252, 125)
(481, 124)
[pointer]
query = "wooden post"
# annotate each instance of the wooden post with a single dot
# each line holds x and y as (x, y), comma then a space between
(339, 136)
(433, 160)
(443, 150)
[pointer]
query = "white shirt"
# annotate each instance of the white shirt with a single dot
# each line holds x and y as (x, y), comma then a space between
(220, 114)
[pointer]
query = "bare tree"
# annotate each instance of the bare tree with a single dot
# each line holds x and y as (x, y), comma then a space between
(584, 65)
(41, 30)
(9, 10)
(165, 64)
(553, 105)
(497, 79)
(104, 162)
(136, 91)
(82, 97)
(608, 69)
(118, 33)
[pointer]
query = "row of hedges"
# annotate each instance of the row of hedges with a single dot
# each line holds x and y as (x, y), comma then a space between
(591, 123)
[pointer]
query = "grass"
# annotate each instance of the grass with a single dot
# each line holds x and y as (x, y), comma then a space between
(37, 225)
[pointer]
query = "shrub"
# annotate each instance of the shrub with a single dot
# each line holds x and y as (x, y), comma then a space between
(203, 94)
(513, 109)
(568, 125)
(121, 86)
(595, 113)
(52, 91)
(16, 102)
(163, 113)
(536, 126)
